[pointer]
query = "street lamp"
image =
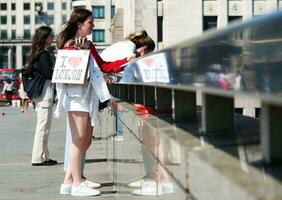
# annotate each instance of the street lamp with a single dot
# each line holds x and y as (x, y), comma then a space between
(43, 16)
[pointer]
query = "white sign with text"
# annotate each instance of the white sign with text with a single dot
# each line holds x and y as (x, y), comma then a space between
(71, 66)
(154, 68)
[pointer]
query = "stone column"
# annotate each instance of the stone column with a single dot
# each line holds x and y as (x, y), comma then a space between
(222, 19)
(247, 9)
(273, 5)
(19, 56)
(10, 57)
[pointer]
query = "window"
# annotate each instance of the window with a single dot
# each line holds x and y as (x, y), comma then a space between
(3, 20)
(26, 51)
(3, 6)
(4, 57)
(64, 6)
(64, 19)
(232, 18)
(26, 19)
(98, 12)
(13, 19)
(113, 11)
(26, 6)
(50, 19)
(99, 35)
(13, 6)
(26, 34)
(50, 6)
(38, 19)
(160, 28)
(209, 22)
(4, 34)
(14, 34)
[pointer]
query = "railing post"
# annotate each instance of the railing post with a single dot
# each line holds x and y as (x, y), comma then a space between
(217, 113)
(271, 132)
(164, 100)
(185, 105)
(139, 94)
(150, 96)
(131, 93)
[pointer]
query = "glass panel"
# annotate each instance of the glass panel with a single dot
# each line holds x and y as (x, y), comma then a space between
(4, 34)
(26, 52)
(98, 12)
(99, 35)
(4, 57)
(26, 6)
(13, 6)
(13, 19)
(64, 19)
(209, 22)
(26, 19)
(26, 34)
(3, 19)
(50, 6)
(50, 19)
(38, 19)
(64, 6)
(113, 11)
(3, 6)
(13, 34)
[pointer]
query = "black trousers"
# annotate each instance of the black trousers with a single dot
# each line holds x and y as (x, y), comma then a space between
(9, 96)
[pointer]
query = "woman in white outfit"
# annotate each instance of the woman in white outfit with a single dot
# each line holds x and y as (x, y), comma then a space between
(81, 101)
(138, 43)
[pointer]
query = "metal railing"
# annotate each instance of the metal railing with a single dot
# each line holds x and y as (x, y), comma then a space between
(188, 121)
(242, 60)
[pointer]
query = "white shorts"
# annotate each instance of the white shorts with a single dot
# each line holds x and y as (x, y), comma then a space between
(77, 102)
(86, 101)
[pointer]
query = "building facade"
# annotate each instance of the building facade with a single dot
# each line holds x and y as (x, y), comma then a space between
(18, 21)
(172, 21)
(168, 22)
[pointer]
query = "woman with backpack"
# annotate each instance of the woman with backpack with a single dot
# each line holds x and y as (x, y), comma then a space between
(40, 65)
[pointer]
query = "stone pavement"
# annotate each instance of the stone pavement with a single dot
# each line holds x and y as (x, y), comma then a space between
(20, 180)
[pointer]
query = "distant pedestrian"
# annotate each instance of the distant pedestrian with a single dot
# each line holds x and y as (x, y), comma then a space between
(24, 98)
(8, 91)
(40, 63)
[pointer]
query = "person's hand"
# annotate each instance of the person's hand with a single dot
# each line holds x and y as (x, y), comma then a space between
(132, 57)
(81, 43)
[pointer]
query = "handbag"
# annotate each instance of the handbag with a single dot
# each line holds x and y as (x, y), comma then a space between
(33, 83)
(103, 105)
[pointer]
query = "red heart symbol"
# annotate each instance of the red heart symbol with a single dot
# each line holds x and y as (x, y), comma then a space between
(74, 61)
(149, 61)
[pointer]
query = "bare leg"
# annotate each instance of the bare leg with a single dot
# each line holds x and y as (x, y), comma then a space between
(25, 105)
(79, 124)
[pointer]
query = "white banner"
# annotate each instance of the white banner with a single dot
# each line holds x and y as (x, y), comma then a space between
(71, 66)
(153, 68)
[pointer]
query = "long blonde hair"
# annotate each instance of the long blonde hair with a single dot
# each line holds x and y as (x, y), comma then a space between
(140, 39)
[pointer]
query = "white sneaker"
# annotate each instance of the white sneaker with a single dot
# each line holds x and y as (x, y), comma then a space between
(153, 189)
(139, 183)
(83, 191)
(65, 189)
(91, 184)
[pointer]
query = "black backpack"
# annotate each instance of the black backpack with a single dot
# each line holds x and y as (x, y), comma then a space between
(33, 82)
